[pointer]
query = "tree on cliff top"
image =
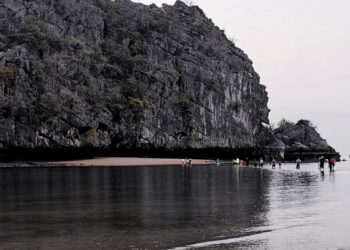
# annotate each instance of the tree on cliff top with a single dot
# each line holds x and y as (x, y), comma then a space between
(307, 123)
(284, 123)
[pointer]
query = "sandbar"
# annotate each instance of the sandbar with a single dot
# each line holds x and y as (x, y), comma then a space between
(108, 162)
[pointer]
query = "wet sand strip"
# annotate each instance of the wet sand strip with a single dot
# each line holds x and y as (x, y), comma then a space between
(108, 162)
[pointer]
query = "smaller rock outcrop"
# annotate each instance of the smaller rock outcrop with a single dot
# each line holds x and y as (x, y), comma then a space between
(290, 141)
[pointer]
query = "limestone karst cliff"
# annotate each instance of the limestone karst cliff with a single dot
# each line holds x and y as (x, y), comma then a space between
(121, 75)
(301, 139)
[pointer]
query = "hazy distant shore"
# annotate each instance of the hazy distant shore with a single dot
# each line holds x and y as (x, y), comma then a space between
(107, 161)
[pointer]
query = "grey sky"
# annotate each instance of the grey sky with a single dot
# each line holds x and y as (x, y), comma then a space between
(301, 50)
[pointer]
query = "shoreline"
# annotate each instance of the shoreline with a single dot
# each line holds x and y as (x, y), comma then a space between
(107, 162)
(116, 162)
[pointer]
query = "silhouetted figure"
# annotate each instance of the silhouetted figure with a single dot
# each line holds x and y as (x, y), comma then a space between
(273, 163)
(261, 162)
(280, 164)
(190, 162)
(321, 162)
(331, 163)
(298, 163)
(256, 163)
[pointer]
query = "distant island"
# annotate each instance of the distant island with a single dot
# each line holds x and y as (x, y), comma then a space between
(116, 78)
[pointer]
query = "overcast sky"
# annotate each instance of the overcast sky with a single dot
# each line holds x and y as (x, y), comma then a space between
(301, 50)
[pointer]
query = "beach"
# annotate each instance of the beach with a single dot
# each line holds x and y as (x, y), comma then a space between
(108, 162)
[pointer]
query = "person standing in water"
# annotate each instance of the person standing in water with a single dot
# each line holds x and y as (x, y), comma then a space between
(298, 163)
(273, 163)
(333, 160)
(261, 162)
(321, 161)
(331, 163)
(280, 164)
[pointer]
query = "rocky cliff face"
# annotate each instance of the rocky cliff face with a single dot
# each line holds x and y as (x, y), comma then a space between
(290, 141)
(102, 74)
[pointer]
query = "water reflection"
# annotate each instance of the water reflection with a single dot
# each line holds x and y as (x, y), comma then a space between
(307, 210)
(207, 207)
(144, 207)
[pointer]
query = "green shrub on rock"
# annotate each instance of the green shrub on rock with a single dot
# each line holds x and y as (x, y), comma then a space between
(30, 33)
(92, 133)
(183, 101)
(132, 88)
(137, 103)
(136, 59)
(49, 104)
(8, 73)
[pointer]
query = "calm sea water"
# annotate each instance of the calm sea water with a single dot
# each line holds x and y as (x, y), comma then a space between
(172, 207)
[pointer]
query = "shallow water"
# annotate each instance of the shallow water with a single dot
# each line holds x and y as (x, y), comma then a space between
(172, 207)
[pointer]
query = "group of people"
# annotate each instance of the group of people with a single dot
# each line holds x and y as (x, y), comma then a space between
(246, 162)
(241, 162)
(321, 162)
(186, 162)
(257, 163)
(331, 163)
(260, 163)
(274, 162)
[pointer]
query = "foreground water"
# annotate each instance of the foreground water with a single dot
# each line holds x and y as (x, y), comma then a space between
(204, 207)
